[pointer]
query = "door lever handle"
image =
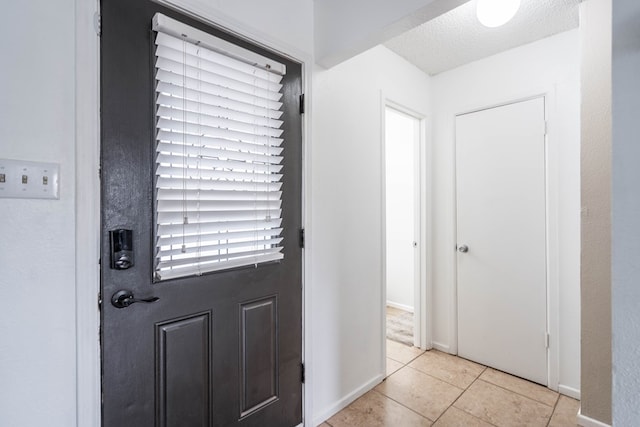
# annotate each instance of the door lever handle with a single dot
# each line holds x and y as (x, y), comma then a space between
(124, 298)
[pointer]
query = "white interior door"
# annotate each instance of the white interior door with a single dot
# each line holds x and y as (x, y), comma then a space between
(501, 233)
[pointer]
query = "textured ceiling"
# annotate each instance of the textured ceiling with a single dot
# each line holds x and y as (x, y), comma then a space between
(457, 38)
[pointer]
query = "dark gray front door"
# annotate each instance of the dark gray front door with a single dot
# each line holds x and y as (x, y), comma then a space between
(221, 349)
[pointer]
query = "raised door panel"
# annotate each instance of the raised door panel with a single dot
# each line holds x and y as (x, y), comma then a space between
(259, 355)
(183, 360)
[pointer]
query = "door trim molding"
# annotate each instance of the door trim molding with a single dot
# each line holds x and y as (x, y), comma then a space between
(87, 212)
(552, 178)
(87, 181)
(422, 292)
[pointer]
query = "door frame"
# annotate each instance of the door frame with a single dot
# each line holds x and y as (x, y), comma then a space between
(422, 290)
(552, 183)
(87, 186)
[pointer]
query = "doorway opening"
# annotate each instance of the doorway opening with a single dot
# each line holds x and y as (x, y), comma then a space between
(402, 209)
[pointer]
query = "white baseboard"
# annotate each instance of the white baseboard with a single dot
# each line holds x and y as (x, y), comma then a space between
(333, 409)
(440, 347)
(569, 391)
(400, 306)
(585, 421)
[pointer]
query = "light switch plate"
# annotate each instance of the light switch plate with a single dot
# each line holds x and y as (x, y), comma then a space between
(23, 179)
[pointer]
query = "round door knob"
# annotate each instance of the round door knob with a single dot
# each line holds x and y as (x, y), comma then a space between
(464, 249)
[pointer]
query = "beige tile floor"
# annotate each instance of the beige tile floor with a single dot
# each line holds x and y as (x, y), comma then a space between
(437, 389)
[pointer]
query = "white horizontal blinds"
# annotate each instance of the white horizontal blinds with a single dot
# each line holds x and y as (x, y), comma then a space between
(219, 154)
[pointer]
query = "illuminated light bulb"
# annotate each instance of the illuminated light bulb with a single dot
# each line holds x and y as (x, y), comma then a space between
(494, 13)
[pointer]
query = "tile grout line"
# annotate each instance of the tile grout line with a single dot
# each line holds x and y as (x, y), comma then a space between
(520, 394)
(553, 407)
(452, 385)
(484, 368)
(399, 361)
(445, 381)
(498, 385)
(463, 392)
(393, 400)
(436, 378)
(403, 405)
(471, 415)
(516, 393)
(404, 365)
(384, 395)
(554, 410)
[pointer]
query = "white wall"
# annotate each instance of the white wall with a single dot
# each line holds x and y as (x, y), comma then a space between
(551, 65)
(347, 220)
(402, 133)
(37, 254)
(626, 213)
(286, 23)
(346, 28)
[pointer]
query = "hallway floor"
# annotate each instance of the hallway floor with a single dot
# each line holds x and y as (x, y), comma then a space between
(399, 325)
(435, 388)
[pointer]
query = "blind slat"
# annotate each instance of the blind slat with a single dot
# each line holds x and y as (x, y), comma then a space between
(189, 69)
(177, 137)
(207, 248)
(180, 194)
(166, 147)
(210, 216)
(218, 159)
(174, 49)
(210, 237)
(169, 159)
(176, 171)
(216, 227)
(195, 270)
(217, 110)
(248, 63)
(165, 88)
(227, 256)
(201, 118)
(195, 184)
(195, 84)
(176, 124)
(217, 206)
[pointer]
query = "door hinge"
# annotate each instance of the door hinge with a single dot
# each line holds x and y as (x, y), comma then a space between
(546, 340)
(546, 127)
(302, 238)
(302, 373)
(97, 23)
(302, 103)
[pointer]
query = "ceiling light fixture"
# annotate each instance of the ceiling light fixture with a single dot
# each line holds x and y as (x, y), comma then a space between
(494, 13)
